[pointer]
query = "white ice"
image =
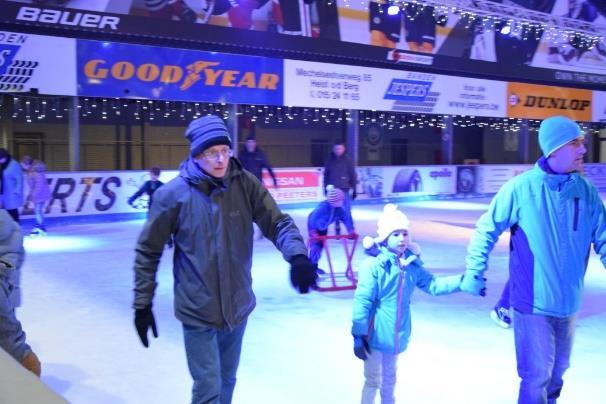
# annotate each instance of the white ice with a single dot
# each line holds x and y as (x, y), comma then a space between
(77, 285)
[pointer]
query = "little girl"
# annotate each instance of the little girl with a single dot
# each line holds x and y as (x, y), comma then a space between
(381, 312)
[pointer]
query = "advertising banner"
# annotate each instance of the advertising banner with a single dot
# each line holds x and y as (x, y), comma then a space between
(136, 71)
(105, 192)
(451, 36)
(490, 178)
(44, 63)
(537, 102)
(598, 109)
(414, 180)
(295, 185)
(311, 84)
(596, 174)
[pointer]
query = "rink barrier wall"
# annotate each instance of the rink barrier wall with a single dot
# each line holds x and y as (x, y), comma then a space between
(102, 196)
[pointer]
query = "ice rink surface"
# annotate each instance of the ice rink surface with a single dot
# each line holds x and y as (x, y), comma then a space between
(77, 296)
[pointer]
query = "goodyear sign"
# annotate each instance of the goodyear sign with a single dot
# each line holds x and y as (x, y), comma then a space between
(536, 101)
(135, 71)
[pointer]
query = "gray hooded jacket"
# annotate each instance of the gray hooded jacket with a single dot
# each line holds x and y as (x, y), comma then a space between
(12, 337)
(212, 224)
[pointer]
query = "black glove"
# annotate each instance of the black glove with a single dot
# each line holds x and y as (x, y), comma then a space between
(303, 273)
(354, 194)
(144, 319)
(361, 347)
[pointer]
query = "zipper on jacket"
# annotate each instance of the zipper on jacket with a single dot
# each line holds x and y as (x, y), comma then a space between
(398, 310)
(575, 224)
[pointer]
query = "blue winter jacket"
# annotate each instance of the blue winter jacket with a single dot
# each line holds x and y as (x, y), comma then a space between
(324, 215)
(553, 219)
(382, 299)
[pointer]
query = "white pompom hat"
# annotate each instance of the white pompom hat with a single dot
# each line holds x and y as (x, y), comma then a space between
(391, 219)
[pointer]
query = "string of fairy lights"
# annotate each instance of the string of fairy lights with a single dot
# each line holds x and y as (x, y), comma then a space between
(40, 109)
(491, 16)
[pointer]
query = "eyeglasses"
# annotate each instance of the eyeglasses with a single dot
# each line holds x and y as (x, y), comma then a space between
(215, 154)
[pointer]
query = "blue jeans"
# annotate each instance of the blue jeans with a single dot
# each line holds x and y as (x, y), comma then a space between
(543, 348)
(39, 212)
(213, 357)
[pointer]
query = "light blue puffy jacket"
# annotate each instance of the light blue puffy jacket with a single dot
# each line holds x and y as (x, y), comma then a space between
(382, 299)
(553, 219)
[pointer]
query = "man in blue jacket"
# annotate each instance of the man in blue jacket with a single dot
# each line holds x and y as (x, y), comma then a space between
(209, 209)
(554, 215)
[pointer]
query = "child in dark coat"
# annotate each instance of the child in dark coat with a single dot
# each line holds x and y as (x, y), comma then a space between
(326, 213)
(149, 187)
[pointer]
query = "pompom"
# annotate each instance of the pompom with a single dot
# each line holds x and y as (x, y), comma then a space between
(368, 242)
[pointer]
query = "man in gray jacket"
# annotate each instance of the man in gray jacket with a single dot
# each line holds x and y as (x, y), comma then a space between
(11, 184)
(12, 336)
(209, 209)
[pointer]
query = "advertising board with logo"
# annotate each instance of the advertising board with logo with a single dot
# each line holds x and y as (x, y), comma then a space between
(295, 185)
(150, 72)
(490, 178)
(596, 174)
(534, 101)
(44, 63)
(105, 192)
(598, 107)
(418, 180)
(311, 84)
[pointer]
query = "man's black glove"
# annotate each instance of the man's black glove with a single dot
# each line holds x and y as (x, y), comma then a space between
(361, 347)
(354, 194)
(144, 319)
(303, 273)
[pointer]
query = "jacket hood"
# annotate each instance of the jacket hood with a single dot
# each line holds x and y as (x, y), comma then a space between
(555, 180)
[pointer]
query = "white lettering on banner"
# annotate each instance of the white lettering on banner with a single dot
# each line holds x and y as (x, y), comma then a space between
(3, 55)
(11, 37)
(69, 18)
(290, 181)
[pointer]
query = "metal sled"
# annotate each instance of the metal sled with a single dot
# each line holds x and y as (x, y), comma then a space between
(335, 280)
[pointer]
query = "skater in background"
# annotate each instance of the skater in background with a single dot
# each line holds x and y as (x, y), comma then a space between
(11, 185)
(39, 192)
(341, 172)
(381, 311)
(149, 187)
(12, 336)
(554, 215)
(210, 208)
(254, 160)
(326, 213)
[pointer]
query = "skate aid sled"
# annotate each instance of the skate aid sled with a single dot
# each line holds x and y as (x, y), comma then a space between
(336, 279)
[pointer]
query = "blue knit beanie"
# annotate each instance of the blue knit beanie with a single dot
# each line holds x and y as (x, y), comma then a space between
(206, 132)
(556, 131)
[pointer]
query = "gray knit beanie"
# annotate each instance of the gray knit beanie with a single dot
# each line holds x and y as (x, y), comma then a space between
(206, 132)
